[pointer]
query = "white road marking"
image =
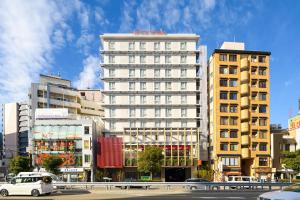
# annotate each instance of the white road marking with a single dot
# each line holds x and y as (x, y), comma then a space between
(218, 197)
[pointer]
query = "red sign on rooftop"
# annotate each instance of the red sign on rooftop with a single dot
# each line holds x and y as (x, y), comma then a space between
(142, 32)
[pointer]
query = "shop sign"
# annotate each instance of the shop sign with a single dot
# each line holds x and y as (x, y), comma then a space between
(70, 170)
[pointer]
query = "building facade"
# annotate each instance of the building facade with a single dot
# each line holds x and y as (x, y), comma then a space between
(155, 94)
(239, 111)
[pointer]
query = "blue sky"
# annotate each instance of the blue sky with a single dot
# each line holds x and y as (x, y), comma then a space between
(63, 37)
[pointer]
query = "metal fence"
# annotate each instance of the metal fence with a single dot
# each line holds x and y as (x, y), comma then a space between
(170, 185)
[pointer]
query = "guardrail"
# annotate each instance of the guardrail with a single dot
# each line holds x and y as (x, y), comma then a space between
(169, 185)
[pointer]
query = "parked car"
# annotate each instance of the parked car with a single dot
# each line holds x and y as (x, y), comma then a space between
(197, 183)
(131, 180)
(291, 192)
(241, 179)
(55, 179)
(34, 185)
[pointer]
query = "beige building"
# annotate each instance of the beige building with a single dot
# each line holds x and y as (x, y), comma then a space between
(155, 94)
(239, 111)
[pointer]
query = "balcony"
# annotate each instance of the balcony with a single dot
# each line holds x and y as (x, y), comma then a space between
(244, 89)
(244, 63)
(245, 153)
(245, 127)
(244, 76)
(245, 139)
(244, 114)
(244, 102)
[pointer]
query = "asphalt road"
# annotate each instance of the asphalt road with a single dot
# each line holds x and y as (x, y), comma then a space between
(137, 194)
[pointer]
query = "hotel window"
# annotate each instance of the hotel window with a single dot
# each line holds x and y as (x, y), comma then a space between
(223, 95)
(143, 86)
(233, 108)
(223, 108)
(142, 73)
(112, 126)
(183, 85)
(233, 134)
(253, 70)
(253, 95)
(233, 82)
(112, 85)
(262, 108)
(131, 45)
(131, 85)
(262, 59)
(168, 99)
(263, 162)
(223, 82)
(156, 45)
(224, 134)
(167, 59)
(157, 112)
(168, 73)
(254, 121)
(143, 99)
(156, 73)
(262, 83)
(262, 96)
(253, 83)
(262, 71)
(86, 130)
(183, 99)
(111, 59)
(112, 99)
(142, 59)
(182, 59)
(183, 72)
(168, 124)
(168, 112)
(230, 161)
(131, 112)
(254, 134)
(254, 146)
(87, 158)
(253, 58)
(157, 86)
(263, 121)
(112, 112)
(132, 124)
(142, 46)
(143, 112)
(131, 59)
(156, 59)
(157, 99)
(157, 124)
(232, 58)
(182, 45)
(183, 112)
(224, 120)
(233, 70)
(233, 95)
(111, 45)
(224, 146)
(262, 134)
(183, 124)
(143, 124)
(168, 45)
(233, 146)
(168, 86)
(223, 69)
(223, 57)
(111, 72)
(233, 120)
(131, 73)
(131, 99)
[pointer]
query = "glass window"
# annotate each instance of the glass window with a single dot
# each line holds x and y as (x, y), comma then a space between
(233, 82)
(233, 108)
(131, 85)
(111, 72)
(157, 124)
(262, 108)
(224, 146)
(168, 59)
(232, 58)
(112, 99)
(223, 57)
(168, 86)
(131, 59)
(142, 73)
(132, 124)
(131, 112)
(168, 73)
(233, 134)
(157, 99)
(143, 112)
(142, 46)
(112, 85)
(262, 59)
(223, 107)
(223, 82)
(223, 95)
(143, 99)
(183, 72)
(262, 134)
(183, 124)
(131, 73)
(224, 120)
(142, 59)
(132, 99)
(233, 120)
(112, 126)
(262, 71)
(223, 69)
(262, 96)
(143, 86)
(168, 45)
(183, 99)
(168, 124)
(112, 112)
(156, 59)
(168, 112)
(262, 83)
(263, 161)
(253, 58)
(157, 86)
(253, 95)
(182, 45)
(111, 59)
(224, 134)
(86, 130)
(156, 45)
(183, 85)
(233, 147)
(263, 121)
(143, 124)
(131, 46)
(157, 112)
(233, 70)
(168, 99)
(156, 73)
(182, 59)
(111, 45)
(233, 95)
(183, 112)
(263, 146)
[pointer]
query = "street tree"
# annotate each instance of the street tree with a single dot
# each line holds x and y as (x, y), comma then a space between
(20, 164)
(52, 164)
(291, 160)
(150, 160)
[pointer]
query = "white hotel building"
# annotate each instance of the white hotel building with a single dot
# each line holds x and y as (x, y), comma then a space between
(155, 93)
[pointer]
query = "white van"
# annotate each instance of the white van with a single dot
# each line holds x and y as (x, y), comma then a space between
(241, 179)
(34, 185)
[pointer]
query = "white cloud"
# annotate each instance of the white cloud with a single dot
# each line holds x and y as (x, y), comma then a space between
(89, 77)
(30, 32)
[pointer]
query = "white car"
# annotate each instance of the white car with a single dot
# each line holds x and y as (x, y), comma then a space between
(27, 185)
(291, 192)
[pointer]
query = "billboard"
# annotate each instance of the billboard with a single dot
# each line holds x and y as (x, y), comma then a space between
(51, 113)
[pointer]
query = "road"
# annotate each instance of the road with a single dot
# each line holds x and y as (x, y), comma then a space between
(139, 194)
